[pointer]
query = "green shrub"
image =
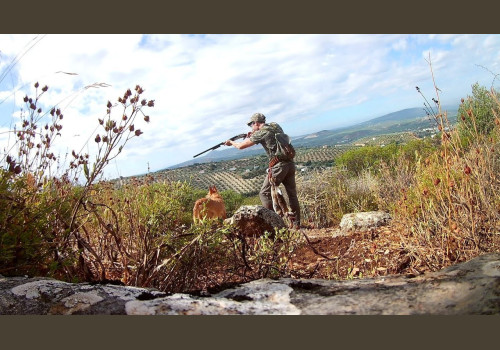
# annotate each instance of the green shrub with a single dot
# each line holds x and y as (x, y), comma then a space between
(417, 149)
(477, 113)
(368, 157)
(232, 200)
(252, 199)
(33, 225)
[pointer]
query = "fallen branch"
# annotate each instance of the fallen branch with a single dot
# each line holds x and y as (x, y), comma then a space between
(314, 249)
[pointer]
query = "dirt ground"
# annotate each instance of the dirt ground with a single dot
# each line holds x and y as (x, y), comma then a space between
(329, 254)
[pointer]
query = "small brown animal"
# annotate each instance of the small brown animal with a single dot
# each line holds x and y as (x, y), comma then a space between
(212, 206)
(280, 206)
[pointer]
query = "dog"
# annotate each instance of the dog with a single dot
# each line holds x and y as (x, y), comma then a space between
(211, 207)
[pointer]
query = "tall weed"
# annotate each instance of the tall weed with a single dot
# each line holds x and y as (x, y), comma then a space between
(47, 207)
(452, 206)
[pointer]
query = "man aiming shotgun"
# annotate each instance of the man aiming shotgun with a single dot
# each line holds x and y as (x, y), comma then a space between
(281, 165)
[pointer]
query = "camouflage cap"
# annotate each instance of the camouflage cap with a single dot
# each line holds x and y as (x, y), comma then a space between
(257, 117)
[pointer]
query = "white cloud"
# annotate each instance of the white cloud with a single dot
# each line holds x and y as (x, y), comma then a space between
(206, 86)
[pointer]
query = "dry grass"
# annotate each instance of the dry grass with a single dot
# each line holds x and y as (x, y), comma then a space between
(453, 203)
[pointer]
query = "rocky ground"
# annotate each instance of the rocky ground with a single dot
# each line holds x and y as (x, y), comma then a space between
(464, 289)
(329, 254)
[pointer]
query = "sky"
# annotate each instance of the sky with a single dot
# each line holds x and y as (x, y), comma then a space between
(206, 87)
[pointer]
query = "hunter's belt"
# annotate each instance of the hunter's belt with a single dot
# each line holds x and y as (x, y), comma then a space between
(273, 161)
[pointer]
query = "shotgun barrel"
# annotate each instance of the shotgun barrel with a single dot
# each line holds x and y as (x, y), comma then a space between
(240, 136)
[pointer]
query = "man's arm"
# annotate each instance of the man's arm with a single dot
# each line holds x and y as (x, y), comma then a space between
(240, 145)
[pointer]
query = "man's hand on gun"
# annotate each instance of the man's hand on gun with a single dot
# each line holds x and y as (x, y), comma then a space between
(230, 142)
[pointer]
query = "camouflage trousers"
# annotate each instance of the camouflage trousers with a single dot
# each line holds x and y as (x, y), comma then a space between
(282, 173)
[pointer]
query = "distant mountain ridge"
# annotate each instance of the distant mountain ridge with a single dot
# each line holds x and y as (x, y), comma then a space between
(409, 119)
(404, 114)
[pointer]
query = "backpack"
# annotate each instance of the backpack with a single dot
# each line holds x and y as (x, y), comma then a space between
(284, 148)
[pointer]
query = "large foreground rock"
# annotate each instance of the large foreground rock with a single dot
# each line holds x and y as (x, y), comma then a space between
(254, 220)
(467, 288)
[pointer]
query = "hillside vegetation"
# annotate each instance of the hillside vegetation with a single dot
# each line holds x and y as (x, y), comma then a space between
(245, 175)
(443, 193)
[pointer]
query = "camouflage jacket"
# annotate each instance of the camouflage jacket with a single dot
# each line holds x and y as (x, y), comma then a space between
(266, 137)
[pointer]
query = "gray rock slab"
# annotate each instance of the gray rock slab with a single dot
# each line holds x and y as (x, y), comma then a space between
(472, 287)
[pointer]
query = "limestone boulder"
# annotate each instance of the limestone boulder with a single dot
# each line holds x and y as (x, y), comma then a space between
(254, 220)
(364, 221)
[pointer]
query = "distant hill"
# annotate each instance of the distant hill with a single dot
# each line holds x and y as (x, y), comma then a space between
(402, 115)
(219, 155)
(406, 120)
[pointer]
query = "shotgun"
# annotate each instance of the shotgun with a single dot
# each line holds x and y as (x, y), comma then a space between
(240, 136)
